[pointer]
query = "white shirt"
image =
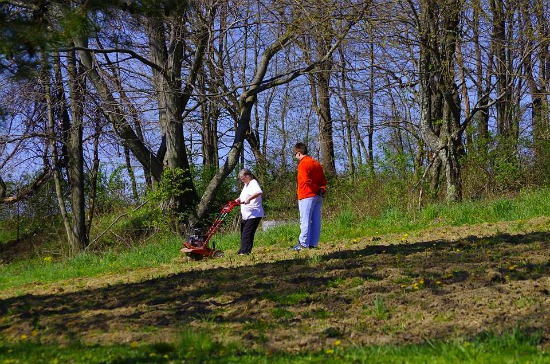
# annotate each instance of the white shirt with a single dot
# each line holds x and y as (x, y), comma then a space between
(254, 208)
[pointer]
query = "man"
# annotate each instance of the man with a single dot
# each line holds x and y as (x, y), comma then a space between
(311, 190)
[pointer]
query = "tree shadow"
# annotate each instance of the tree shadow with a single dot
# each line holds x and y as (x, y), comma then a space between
(441, 244)
(232, 295)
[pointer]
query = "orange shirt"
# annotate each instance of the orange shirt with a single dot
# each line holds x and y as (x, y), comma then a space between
(311, 178)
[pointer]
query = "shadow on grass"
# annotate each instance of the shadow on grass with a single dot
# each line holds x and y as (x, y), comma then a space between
(176, 300)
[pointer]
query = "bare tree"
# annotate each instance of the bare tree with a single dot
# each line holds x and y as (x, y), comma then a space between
(537, 74)
(438, 30)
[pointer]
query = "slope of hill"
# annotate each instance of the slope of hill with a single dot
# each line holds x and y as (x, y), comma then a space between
(444, 283)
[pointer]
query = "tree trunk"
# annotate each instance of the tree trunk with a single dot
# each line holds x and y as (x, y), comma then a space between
(370, 136)
(538, 86)
(170, 107)
(482, 117)
(437, 77)
(322, 78)
(94, 174)
(74, 142)
(507, 126)
(348, 118)
(283, 167)
(76, 237)
(49, 96)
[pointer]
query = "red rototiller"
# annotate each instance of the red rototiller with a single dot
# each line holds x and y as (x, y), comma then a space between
(197, 244)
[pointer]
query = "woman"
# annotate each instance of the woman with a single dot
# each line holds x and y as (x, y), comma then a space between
(252, 210)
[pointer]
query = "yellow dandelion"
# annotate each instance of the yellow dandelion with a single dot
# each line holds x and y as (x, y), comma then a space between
(355, 240)
(48, 259)
(512, 267)
(34, 333)
(329, 351)
(134, 344)
(24, 337)
(337, 342)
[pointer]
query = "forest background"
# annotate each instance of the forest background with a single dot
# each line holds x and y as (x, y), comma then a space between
(147, 109)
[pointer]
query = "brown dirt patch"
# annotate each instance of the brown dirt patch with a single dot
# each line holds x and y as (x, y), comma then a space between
(442, 283)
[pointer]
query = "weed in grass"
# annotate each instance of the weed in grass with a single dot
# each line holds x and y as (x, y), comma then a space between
(462, 214)
(343, 282)
(389, 329)
(431, 213)
(400, 262)
(208, 319)
(377, 309)
(418, 284)
(503, 210)
(148, 329)
(332, 332)
(314, 260)
(259, 325)
(197, 344)
(336, 282)
(318, 313)
(403, 282)
(524, 302)
(345, 219)
(281, 313)
(444, 317)
(355, 282)
(287, 299)
(393, 217)
(162, 348)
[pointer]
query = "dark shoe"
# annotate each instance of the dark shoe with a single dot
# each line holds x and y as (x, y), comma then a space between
(297, 247)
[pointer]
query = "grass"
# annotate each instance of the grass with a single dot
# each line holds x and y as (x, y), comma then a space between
(51, 269)
(194, 346)
(197, 347)
(345, 226)
(7, 234)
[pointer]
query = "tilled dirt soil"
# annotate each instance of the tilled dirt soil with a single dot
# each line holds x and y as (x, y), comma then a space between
(439, 284)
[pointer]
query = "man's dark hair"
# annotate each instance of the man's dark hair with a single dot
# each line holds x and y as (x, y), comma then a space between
(300, 147)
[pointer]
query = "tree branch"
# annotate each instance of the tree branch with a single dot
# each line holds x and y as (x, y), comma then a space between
(28, 191)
